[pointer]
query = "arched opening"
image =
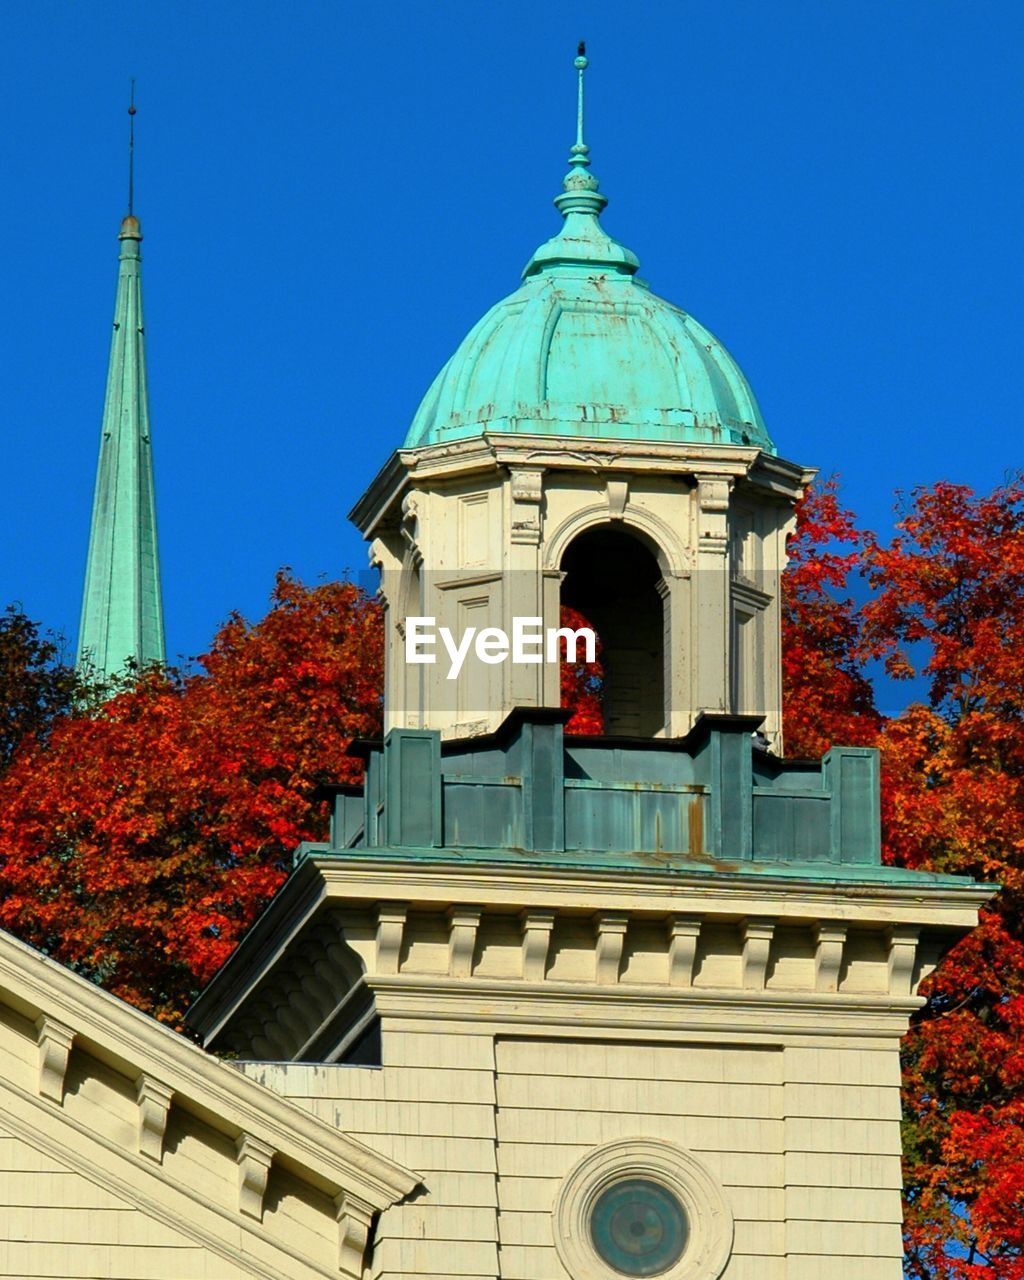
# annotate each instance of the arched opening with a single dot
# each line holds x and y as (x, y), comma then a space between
(614, 581)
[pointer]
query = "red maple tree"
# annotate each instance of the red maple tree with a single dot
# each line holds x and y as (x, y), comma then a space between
(946, 607)
(827, 697)
(139, 842)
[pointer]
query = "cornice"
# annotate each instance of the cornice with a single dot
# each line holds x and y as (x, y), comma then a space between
(269, 936)
(497, 449)
(729, 891)
(937, 909)
(379, 495)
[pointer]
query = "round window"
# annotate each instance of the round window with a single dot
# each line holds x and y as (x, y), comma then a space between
(638, 1227)
(641, 1207)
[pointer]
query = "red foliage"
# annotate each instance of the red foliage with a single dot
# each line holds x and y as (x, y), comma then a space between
(581, 681)
(826, 695)
(138, 844)
(947, 607)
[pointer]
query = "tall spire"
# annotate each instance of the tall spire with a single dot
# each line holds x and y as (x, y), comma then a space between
(122, 613)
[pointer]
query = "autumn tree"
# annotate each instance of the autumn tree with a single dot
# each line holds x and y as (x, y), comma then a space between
(827, 696)
(139, 841)
(36, 685)
(948, 607)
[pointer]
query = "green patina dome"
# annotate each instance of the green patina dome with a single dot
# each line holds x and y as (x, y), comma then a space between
(584, 349)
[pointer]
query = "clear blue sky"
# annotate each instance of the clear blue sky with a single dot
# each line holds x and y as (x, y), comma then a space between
(332, 193)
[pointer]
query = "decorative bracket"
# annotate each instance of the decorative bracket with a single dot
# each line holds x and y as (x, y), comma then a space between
(355, 1217)
(617, 493)
(154, 1107)
(610, 927)
(390, 929)
(902, 941)
(410, 520)
(713, 501)
(254, 1161)
(527, 495)
(537, 927)
(829, 941)
(683, 933)
(54, 1040)
(757, 945)
(463, 923)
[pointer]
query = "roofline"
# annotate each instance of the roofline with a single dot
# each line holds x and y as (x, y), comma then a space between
(125, 1036)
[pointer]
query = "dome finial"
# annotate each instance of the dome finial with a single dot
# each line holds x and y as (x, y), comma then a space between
(579, 154)
(582, 242)
(579, 188)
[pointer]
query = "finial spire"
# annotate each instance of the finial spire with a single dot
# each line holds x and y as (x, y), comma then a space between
(131, 152)
(579, 188)
(579, 153)
(582, 242)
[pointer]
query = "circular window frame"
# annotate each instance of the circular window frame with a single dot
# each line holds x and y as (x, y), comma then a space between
(709, 1217)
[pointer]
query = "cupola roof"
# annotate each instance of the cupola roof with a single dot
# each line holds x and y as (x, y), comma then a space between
(584, 349)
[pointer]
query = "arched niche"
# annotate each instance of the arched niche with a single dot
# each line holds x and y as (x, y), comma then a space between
(612, 577)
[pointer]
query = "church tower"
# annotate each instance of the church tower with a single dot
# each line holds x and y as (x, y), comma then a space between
(122, 610)
(630, 1004)
(588, 444)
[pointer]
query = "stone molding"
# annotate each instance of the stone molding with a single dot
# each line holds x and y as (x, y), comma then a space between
(673, 557)
(537, 927)
(563, 1008)
(254, 1161)
(731, 890)
(355, 1218)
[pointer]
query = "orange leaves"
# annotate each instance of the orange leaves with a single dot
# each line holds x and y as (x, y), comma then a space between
(946, 604)
(827, 697)
(953, 581)
(141, 841)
